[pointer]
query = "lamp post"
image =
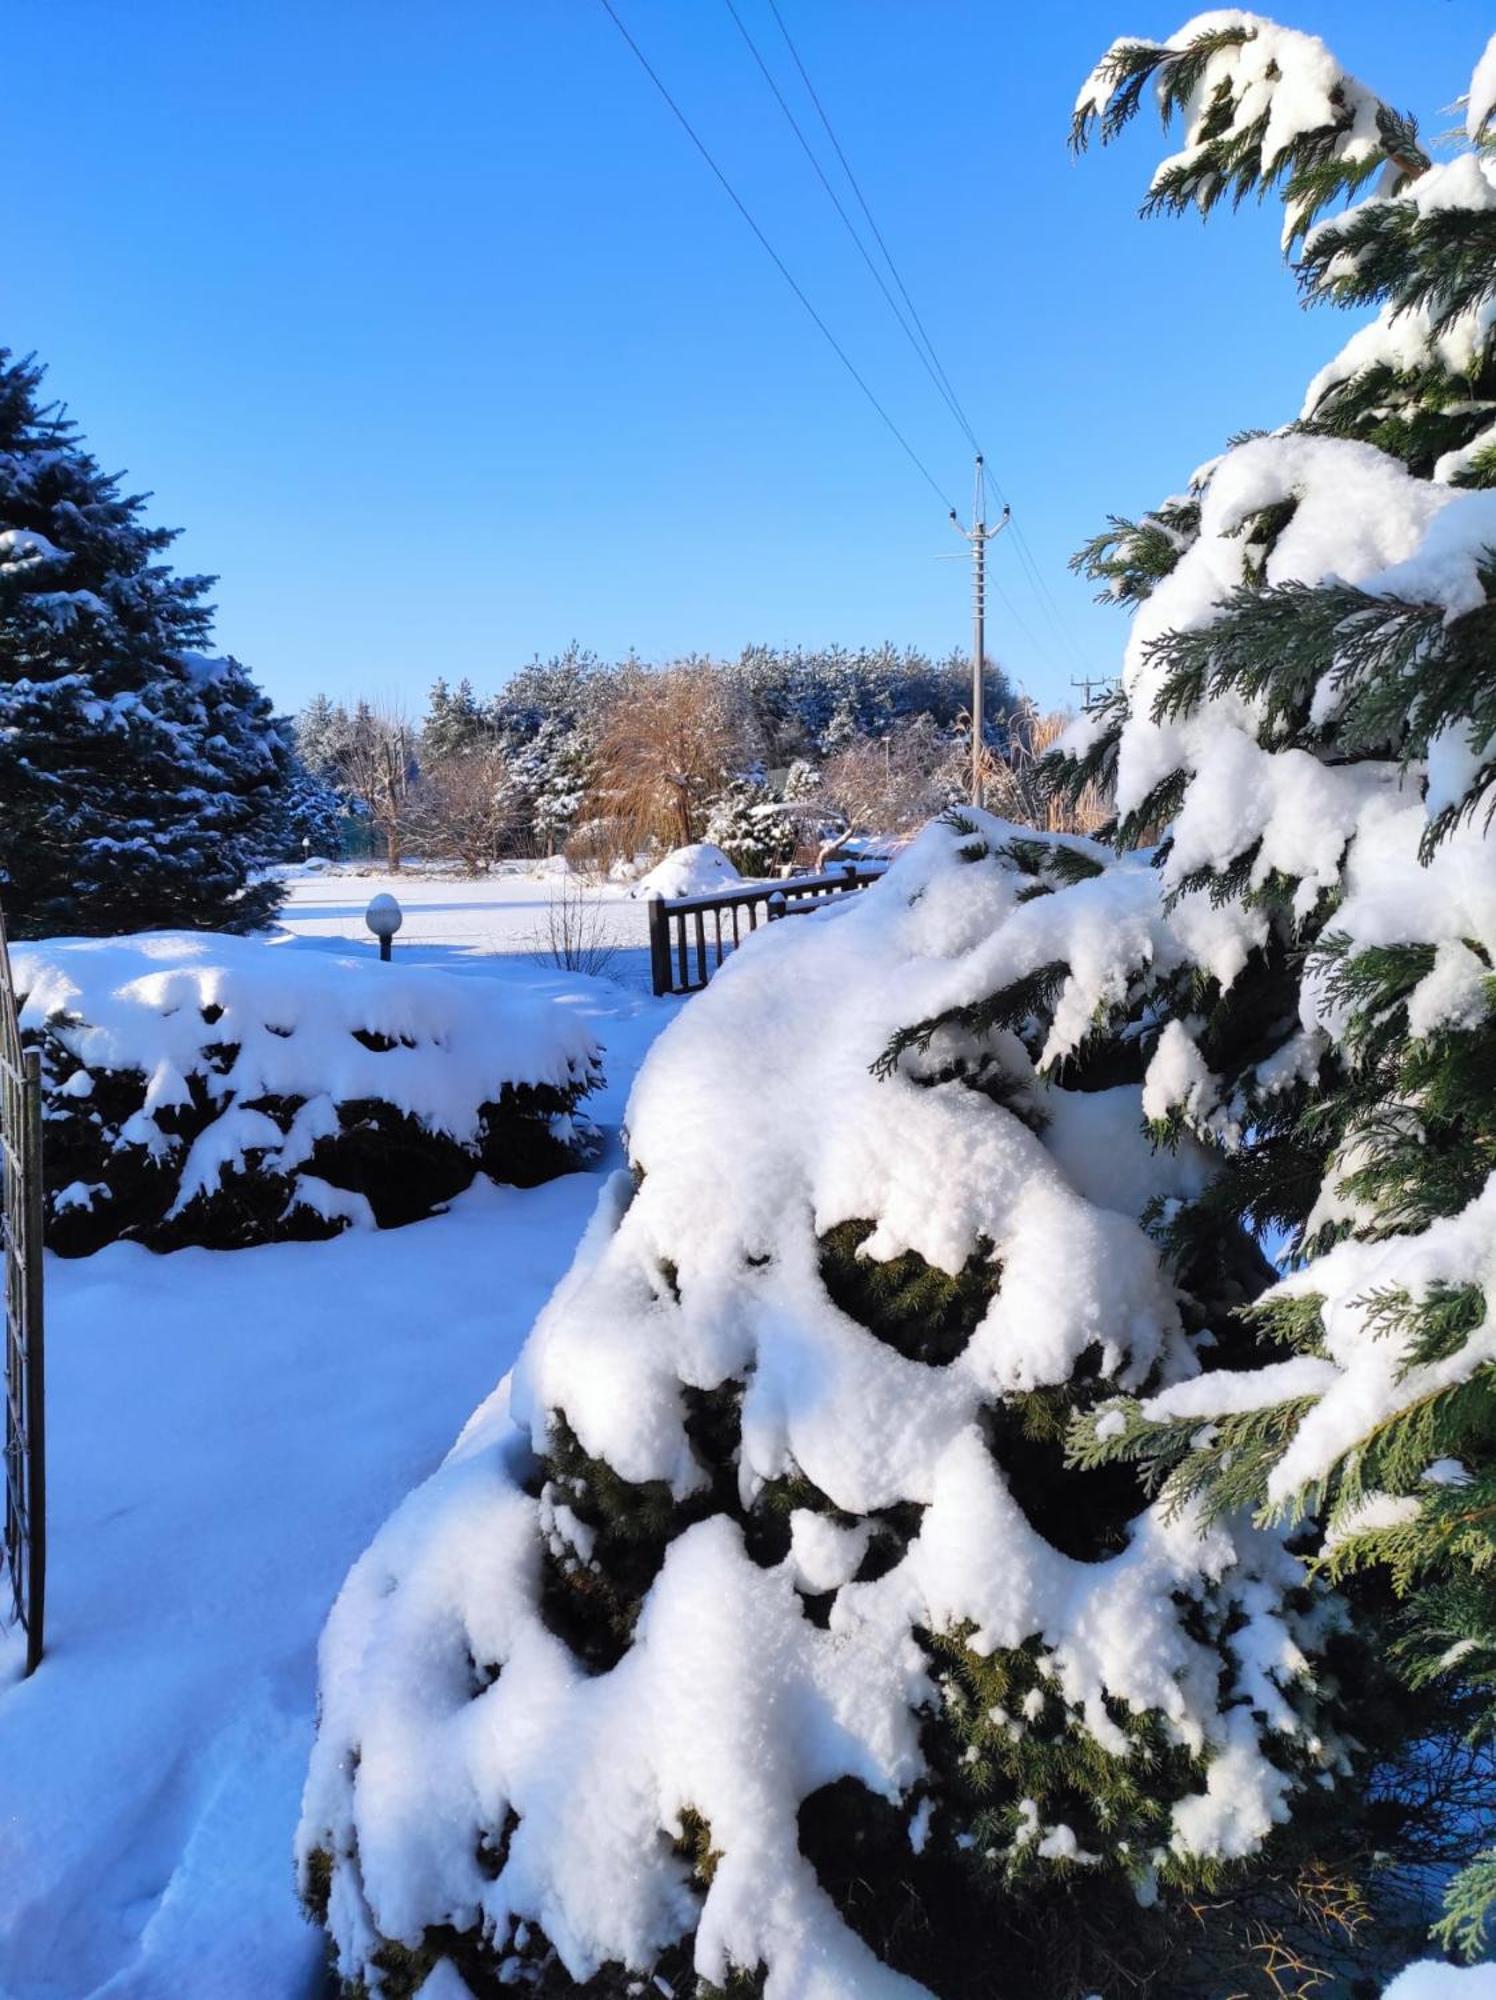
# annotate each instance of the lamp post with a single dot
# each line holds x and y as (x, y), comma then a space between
(384, 918)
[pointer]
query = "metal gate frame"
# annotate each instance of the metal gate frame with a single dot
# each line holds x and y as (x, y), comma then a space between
(25, 1542)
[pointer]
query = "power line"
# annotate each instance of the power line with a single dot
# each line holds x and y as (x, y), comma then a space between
(934, 367)
(1045, 595)
(942, 388)
(1029, 570)
(1032, 574)
(779, 263)
(1017, 617)
(1034, 577)
(856, 187)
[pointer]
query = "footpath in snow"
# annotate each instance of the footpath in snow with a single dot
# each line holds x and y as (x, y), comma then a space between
(227, 1431)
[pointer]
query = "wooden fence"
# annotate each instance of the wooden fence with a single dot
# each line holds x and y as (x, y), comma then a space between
(24, 1557)
(704, 929)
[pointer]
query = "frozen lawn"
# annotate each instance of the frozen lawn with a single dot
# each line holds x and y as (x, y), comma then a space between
(227, 1431)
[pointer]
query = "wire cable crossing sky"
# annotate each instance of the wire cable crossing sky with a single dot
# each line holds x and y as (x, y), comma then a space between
(779, 262)
(925, 353)
(431, 277)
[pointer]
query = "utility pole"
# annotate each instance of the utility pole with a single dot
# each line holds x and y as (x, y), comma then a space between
(1086, 683)
(979, 535)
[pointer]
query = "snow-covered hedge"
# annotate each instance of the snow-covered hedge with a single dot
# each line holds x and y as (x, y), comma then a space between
(768, 1554)
(228, 1091)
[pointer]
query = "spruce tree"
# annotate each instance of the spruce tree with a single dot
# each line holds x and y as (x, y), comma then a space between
(455, 722)
(141, 780)
(320, 727)
(553, 772)
(310, 818)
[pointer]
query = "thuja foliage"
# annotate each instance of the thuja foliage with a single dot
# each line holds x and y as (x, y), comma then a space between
(1056, 1821)
(1345, 1071)
(974, 1908)
(141, 781)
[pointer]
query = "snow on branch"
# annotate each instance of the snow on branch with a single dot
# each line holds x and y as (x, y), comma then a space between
(526, 1739)
(1261, 106)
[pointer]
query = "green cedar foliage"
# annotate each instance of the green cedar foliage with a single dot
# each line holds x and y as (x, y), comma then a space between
(1385, 1129)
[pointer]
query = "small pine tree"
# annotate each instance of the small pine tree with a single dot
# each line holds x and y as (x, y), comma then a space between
(310, 819)
(142, 781)
(456, 722)
(553, 772)
(322, 728)
(749, 823)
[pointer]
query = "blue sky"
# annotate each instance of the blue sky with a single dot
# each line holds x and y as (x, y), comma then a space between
(433, 332)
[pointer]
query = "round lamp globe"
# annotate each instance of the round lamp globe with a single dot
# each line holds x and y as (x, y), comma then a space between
(383, 916)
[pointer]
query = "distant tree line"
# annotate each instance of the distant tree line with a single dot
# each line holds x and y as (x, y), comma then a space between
(147, 783)
(775, 753)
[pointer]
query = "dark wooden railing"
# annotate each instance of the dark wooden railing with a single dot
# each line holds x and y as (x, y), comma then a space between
(704, 929)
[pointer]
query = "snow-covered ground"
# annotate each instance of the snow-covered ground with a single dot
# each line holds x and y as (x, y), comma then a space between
(227, 1431)
(460, 921)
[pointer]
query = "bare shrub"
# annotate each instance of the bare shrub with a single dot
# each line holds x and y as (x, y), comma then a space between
(466, 807)
(894, 783)
(576, 935)
(1015, 788)
(595, 845)
(375, 761)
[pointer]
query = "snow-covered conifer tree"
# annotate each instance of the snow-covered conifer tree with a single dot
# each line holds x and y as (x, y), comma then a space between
(1309, 710)
(310, 817)
(760, 1634)
(751, 826)
(321, 729)
(141, 780)
(806, 1618)
(552, 771)
(456, 721)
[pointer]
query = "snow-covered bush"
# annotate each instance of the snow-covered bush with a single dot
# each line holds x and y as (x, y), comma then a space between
(759, 1627)
(753, 826)
(900, 1563)
(229, 1091)
(1429, 1980)
(688, 871)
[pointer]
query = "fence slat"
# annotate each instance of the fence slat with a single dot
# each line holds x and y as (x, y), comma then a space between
(704, 971)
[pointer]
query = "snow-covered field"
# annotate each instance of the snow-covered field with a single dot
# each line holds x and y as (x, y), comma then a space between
(227, 1431)
(458, 921)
